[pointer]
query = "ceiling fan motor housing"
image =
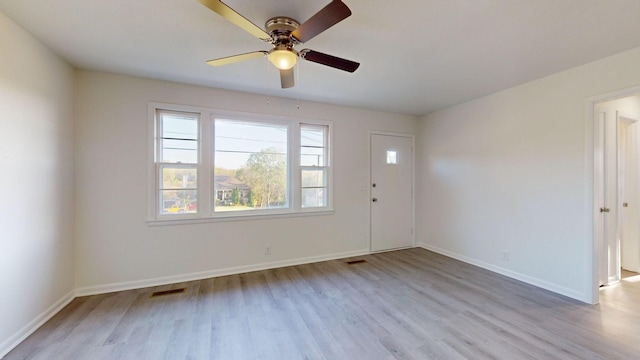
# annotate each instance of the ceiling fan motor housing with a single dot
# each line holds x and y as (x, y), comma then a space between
(280, 29)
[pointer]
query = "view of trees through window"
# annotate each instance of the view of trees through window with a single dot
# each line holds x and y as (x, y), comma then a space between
(251, 165)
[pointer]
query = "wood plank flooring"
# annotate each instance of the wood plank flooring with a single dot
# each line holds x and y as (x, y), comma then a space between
(408, 304)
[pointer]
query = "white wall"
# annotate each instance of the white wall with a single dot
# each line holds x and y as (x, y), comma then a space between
(512, 171)
(36, 185)
(117, 249)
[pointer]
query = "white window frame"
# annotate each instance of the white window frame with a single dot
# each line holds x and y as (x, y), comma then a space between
(252, 119)
(327, 167)
(206, 137)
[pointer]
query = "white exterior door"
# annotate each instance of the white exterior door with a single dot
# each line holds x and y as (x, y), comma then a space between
(391, 192)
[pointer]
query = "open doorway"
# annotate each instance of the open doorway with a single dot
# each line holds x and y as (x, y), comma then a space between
(617, 188)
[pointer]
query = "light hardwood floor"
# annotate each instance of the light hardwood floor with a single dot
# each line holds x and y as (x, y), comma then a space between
(408, 304)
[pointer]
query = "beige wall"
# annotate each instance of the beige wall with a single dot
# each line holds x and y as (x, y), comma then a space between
(36, 183)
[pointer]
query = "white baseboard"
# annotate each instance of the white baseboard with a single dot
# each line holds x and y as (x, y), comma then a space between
(9, 344)
(13, 341)
(32, 326)
(138, 284)
(509, 273)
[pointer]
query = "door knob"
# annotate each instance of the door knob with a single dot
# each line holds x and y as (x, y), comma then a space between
(374, 199)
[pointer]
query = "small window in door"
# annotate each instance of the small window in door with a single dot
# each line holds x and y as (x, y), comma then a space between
(392, 157)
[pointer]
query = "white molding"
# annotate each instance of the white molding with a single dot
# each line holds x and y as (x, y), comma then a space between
(10, 343)
(627, 117)
(13, 341)
(248, 217)
(509, 273)
(138, 284)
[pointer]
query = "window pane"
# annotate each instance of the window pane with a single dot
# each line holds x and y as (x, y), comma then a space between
(179, 178)
(314, 197)
(313, 136)
(178, 202)
(392, 157)
(179, 138)
(178, 190)
(251, 166)
(179, 151)
(313, 140)
(177, 143)
(313, 152)
(182, 126)
(313, 178)
(311, 156)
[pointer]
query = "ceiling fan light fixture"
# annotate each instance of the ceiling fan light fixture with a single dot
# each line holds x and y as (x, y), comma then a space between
(283, 59)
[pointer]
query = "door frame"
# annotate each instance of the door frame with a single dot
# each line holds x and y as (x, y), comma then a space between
(413, 183)
(623, 181)
(591, 212)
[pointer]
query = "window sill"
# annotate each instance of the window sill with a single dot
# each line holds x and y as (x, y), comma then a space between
(225, 218)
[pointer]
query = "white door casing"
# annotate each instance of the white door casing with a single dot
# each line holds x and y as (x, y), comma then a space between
(607, 183)
(612, 239)
(599, 185)
(391, 201)
(629, 198)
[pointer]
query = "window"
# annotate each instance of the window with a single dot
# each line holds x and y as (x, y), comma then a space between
(313, 165)
(177, 162)
(251, 165)
(392, 157)
(213, 164)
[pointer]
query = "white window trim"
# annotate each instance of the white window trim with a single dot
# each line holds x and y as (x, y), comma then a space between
(328, 164)
(156, 165)
(206, 167)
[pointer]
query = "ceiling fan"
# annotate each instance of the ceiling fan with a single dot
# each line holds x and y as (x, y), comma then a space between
(284, 34)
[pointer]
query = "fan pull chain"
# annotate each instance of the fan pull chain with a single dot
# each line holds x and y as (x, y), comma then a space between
(298, 87)
(268, 82)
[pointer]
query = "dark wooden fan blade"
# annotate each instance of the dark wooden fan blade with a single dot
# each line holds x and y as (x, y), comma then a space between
(330, 15)
(286, 78)
(329, 60)
(236, 58)
(228, 13)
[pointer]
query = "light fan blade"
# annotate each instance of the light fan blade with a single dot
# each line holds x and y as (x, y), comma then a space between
(286, 78)
(236, 58)
(329, 60)
(330, 15)
(228, 13)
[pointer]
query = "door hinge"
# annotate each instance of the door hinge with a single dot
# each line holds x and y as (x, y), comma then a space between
(605, 210)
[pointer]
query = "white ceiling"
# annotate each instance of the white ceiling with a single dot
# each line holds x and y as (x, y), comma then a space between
(416, 56)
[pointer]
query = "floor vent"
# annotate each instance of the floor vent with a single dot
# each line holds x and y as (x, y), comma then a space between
(168, 292)
(353, 262)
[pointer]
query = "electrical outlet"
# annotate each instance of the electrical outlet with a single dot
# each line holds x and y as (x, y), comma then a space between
(505, 255)
(267, 250)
